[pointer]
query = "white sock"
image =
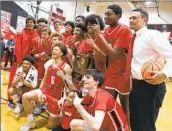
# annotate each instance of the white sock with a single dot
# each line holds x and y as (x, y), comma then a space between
(30, 117)
(15, 97)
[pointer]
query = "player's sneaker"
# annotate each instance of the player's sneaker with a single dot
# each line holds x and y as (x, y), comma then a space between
(18, 108)
(11, 104)
(28, 125)
(37, 110)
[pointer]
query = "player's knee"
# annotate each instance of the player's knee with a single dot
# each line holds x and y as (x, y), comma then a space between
(74, 125)
(26, 96)
(11, 91)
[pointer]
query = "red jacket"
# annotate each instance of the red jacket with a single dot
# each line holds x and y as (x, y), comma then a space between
(23, 42)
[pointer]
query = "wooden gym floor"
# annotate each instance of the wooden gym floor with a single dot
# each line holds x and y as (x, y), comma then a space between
(12, 122)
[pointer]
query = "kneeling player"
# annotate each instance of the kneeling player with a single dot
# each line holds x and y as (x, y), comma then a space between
(107, 114)
(25, 80)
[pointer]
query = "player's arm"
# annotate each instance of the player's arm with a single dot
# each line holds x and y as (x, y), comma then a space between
(68, 77)
(100, 53)
(93, 122)
(112, 52)
(15, 81)
(43, 80)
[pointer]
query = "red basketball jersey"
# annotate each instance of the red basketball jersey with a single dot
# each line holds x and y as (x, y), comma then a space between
(114, 119)
(54, 84)
(119, 36)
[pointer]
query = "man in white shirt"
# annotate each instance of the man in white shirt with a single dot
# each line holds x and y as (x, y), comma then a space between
(145, 98)
(25, 80)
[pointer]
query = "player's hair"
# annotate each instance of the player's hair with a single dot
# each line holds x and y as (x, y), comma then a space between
(60, 37)
(46, 29)
(142, 11)
(30, 59)
(71, 23)
(80, 16)
(92, 19)
(82, 26)
(30, 18)
(97, 75)
(62, 47)
(116, 9)
(42, 20)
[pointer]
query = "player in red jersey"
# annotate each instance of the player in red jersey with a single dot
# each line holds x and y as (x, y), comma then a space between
(69, 27)
(22, 48)
(115, 44)
(42, 22)
(106, 113)
(100, 57)
(43, 50)
(69, 111)
(51, 87)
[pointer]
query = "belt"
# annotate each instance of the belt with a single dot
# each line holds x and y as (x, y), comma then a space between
(137, 80)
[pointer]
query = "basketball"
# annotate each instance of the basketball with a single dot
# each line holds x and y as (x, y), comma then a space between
(156, 64)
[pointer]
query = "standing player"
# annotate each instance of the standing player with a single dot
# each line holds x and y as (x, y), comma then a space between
(42, 22)
(106, 113)
(50, 89)
(43, 50)
(22, 48)
(115, 46)
(24, 81)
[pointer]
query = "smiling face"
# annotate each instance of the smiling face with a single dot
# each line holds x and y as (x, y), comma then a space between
(69, 98)
(89, 82)
(56, 53)
(45, 35)
(137, 21)
(26, 65)
(68, 28)
(111, 17)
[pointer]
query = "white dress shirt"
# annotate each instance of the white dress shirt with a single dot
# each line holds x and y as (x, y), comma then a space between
(148, 45)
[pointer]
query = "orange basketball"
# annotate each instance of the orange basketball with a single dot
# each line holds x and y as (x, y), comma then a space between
(156, 64)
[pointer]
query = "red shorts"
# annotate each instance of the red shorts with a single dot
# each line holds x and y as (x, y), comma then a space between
(22, 90)
(51, 103)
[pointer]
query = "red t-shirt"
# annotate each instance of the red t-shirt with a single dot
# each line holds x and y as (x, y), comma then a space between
(54, 84)
(119, 36)
(40, 47)
(114, 119)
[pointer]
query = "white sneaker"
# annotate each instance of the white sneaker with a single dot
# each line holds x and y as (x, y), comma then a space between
(18, 108)
(27, 126)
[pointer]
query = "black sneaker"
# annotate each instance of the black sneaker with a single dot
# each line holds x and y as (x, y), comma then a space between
(11, 104)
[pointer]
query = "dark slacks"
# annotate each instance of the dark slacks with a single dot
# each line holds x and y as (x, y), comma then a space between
(145, 101)
(9, 54)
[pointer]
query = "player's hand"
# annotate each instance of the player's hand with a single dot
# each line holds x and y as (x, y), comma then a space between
(156, 78)
(61, 74)
(77, 101)
(95, 28)
(89, 40)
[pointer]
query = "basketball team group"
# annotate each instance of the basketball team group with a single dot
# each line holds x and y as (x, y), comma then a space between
(76, 75)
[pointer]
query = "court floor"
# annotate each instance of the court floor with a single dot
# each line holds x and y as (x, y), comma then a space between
(12, 122)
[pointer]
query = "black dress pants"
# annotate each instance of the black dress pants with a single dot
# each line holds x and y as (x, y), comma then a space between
(145, 101)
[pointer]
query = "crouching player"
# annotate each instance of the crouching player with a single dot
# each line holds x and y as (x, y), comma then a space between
(69, 111)
(25, 80)
(50, 89)
(107, 114)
